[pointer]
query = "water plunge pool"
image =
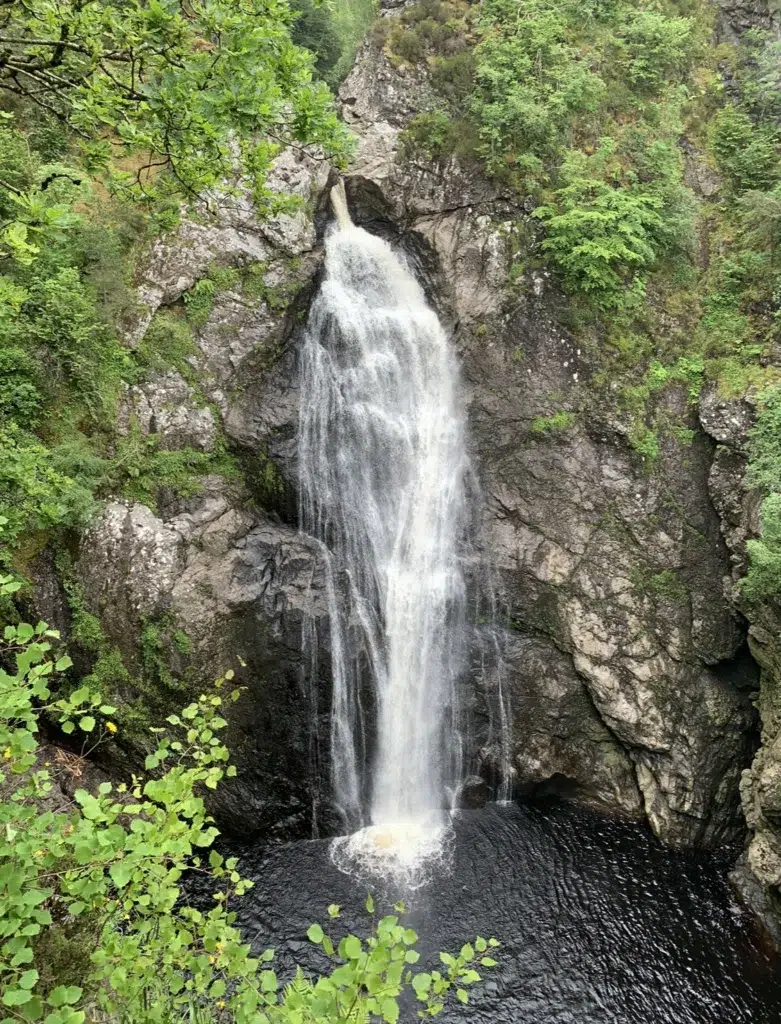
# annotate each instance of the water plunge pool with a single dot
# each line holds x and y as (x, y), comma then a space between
(599, 923)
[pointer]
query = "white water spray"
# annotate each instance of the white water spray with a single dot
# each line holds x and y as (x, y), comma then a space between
(382, 474)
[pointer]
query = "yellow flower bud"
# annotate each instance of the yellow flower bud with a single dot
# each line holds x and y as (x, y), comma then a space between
(111, 727)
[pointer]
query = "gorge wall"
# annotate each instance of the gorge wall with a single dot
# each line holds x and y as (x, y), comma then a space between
(628, 666)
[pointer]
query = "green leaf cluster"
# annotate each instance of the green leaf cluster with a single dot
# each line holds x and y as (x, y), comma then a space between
(208, 93)
(333, 32)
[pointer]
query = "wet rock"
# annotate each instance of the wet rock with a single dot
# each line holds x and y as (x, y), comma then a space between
(474, 793)
(167, 406)
(240, 589)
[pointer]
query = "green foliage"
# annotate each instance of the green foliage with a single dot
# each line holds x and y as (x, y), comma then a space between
(114, 859)
(602, 237)
(315, 30)
(33, 494)
(666, 586)
(21, 399)
(747, 154)
(654, 48)
(765, 443)
(332, 31)
(142, 470)
(202, 93)
(434, 135)
(644, 440)
(559, 421)
(168, 342)
(763, 580)
(579, 107)
(431, 29)
(63, 319)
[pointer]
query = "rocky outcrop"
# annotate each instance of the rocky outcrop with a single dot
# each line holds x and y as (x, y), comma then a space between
(759, 873)
(737, 16)
(239, 588)
(233, 583)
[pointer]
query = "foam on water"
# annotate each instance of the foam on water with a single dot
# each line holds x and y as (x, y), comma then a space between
(404, 855)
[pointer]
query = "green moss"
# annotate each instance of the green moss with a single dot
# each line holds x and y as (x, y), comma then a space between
(558, 421)
(667, 585)
(683, 435)
(256, 286)
(142, 470)
(644, 441)
(199, 300)
(168, 343)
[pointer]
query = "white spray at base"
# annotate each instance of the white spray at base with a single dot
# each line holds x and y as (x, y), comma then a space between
(382, 466)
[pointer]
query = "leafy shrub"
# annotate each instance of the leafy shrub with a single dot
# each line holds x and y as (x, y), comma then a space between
(747, 154)
(315, 30)
(63, 319)
(765, 443)
(654, 48)
(20, 394)
(763, 579)
(602, 237)
(561, 420)
(33, 494)
(200, 93)
(142, 470)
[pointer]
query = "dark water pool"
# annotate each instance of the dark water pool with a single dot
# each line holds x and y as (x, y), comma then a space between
(598, 923)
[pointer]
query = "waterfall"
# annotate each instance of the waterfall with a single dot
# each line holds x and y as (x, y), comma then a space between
(382, 466)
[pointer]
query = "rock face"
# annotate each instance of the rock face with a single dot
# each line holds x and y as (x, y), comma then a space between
(239, 588)
(621, 655)
(232, 583)
(759, 872)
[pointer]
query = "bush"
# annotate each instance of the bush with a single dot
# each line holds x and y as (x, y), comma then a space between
(765, 443)
(763, 580)
(654, 48)
(33, 494)
(602, 237)
(747, 154)
(20, 394)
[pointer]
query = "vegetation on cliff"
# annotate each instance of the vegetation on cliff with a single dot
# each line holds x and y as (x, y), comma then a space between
(110, 117)
(648, 150)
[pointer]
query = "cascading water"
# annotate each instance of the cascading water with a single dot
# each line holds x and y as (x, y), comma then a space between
(382, 471)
